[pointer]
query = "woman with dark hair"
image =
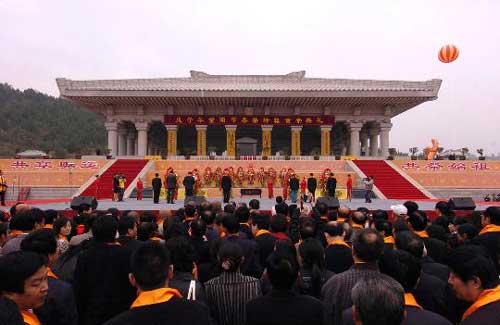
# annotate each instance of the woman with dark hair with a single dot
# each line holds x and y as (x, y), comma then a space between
(312, 274)
(62, 228)
(228, 293)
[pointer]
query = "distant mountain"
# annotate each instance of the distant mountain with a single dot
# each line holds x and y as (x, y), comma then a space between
(32, 120)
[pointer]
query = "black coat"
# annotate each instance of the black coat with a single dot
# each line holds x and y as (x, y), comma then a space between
(281, 307)
(294, 184)
(486, 315)
(432, 294)
(490, 241)
(265, 243)
(171, 181)
(60, 305)
(188, 182)
(439, 270)
(156, 183)
(414, 316)
(331, 184)
(131, 243)
(338, 258)
(101, 284)
(312, 184)
(226, 182)
(175, 311)
(9, 312)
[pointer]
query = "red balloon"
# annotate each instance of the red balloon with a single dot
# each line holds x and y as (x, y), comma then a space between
(448, 53)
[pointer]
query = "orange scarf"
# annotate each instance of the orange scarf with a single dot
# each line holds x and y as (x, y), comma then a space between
(338, 242)
(489, 228)
(155, 238)
(340, 219)
(389, 240)
(485, 298)
(262, 232)
(65, 238)
(410, 301)
(14, 233)
(51, 274)
(356, 226)
(48, 226)
(156, 296)
(29, 318)
(422, 234)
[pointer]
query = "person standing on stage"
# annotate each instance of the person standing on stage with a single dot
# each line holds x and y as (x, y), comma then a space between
(369, 189)
(270, 184)
(139, 187)
(156, 188)
(188, 183)
(303, 185)
(226, 184)
(116, 187)
(3, 188)
(349, 187)
(171, 185)
(97, 183)
(331, 185)
(294, 187)
(312, 184)
(121, 184)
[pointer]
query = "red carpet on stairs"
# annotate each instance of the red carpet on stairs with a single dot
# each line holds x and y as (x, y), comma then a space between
(389, 181)
(103, 188)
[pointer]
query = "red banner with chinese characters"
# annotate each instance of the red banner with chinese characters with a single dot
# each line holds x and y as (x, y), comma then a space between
(255, 120)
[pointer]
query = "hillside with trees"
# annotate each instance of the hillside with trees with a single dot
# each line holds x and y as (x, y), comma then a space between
(33, 120)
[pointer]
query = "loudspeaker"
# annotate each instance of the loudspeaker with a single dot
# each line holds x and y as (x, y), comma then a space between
(86, 200)
(198, 199)
(462, 203)
(331, 202)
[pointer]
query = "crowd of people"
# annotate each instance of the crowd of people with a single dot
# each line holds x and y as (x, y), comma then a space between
(232, 264)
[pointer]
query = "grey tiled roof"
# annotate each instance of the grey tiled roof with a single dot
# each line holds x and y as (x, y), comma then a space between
(200, 81)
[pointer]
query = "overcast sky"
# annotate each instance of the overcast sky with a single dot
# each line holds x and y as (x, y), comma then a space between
(391, 39)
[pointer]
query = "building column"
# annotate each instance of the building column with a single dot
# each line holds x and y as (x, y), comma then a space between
(201, 137)
(171, 140)
(130, 143)
(142, 138)
(296, 151)
(364, 142)
(231, 140)
(354, 128)
(266, 140)
(385, 129)
(326, 144)
(374, 131)
(112, 128)
(122, 142)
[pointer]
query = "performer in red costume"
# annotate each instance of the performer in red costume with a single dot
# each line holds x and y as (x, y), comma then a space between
(140, 187)
(270, 185)
(349, 187)
(303, 185)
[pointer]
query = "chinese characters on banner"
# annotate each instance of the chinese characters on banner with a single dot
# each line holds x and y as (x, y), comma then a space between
(435, 166)
(255, 120)
(47, 164)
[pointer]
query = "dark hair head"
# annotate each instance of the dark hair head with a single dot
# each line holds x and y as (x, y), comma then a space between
(322, 208)
(411, 206)
(23, 221)
(124, 224)
(402, 267)
(38, 215)
(418, 220)
(409, 242)
(365, 210)
(444, 208)
(104, 229)
(359, 218)
(254, 204)
(383, 225)
(380, 215)
(312, 253)
(146, 217)
(494, 214)
(115, 213)
(231, 223)
(156, 174)
(307, 228)
(145, 231)
(378, 300)
(469, 261)
(242, 213)
(400, 225)
(437, 232)
(50, 216)
(262, 221)
(60, 223)
(279, 199)
(334, 228)
(189, 211)
(41, 241)
(282, 271)
(468, 229)
(17, 267)
(182, 254)
(279, 223)
(368, 245)
(281, 208)
(230, 257)
(150, 265)
(208, 216)
(229, 208)
(198, 228)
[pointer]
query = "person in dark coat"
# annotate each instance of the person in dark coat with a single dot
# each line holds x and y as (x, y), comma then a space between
(60, 305)
(127, 229)
(156, 302)
(331, 185)
(282, 305)
(101, 284)
(489, 236)
(312, 184)
(338, 254)
(188, 183)
(156, 183)
(263, 237)
(474, 279)
(294, 184)
(417, 221)
(226, 184)
(171, 186)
